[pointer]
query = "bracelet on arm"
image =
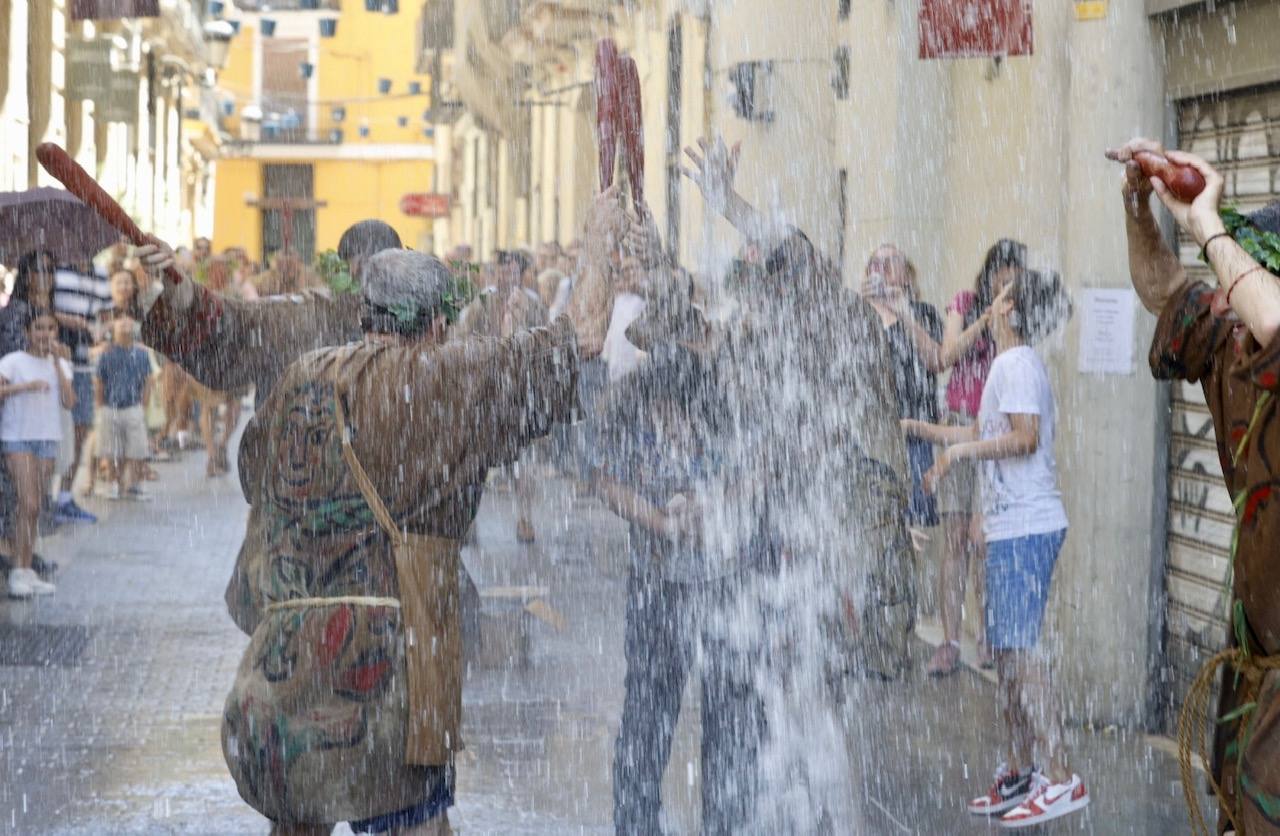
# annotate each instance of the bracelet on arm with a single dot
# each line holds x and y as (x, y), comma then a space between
(1246, 274)
(1204, 251)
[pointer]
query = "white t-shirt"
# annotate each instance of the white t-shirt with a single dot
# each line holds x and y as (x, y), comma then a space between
(619, 354)
(31, 416)
(1020, 496)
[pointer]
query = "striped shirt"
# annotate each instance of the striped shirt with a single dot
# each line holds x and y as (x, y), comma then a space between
(83, 296)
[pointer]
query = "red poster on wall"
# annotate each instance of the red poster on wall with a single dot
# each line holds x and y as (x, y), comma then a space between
(975, 28)
(113, 9)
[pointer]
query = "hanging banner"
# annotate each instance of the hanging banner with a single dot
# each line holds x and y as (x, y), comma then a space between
(975, 28)
(113, 9)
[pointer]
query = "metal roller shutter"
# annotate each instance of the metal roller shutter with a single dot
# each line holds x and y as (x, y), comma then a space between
(1240, 134)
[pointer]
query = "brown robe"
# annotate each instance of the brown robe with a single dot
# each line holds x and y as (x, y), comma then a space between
(227, 344)
(315, 725)
(1193, 344)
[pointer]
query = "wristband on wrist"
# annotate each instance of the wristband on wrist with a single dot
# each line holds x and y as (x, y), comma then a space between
(1204, 251)
(1246, 274)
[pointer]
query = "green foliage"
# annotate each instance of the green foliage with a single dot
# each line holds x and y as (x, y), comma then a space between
(330, 267)
(461, 290)
(1263, 246)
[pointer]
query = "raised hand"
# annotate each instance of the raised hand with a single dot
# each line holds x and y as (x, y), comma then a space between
(714, 170)
(1199, 217)
(1135, 186)
(643, 242)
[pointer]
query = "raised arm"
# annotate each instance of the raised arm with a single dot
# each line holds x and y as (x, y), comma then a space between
(713, 170)
(1247, 287)
(1154, 268)
(227, 343)
(591, 300)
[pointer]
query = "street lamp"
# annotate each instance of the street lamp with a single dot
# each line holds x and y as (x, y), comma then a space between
(217, 38)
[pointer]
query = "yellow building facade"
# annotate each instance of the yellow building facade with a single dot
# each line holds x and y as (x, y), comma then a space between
(334, 120)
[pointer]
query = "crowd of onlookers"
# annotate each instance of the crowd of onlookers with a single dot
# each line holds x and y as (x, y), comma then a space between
(123, 408)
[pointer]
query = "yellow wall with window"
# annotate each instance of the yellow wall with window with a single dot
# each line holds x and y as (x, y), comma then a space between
(353, 189)
(234, 223)
(369, 46)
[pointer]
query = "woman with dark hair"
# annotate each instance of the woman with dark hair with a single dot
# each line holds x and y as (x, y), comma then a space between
(968, 350)
(33, 288)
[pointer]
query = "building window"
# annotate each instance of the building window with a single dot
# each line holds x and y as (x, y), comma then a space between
(840, 78)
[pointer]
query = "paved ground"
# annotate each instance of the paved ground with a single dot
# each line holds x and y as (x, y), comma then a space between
(111, 725)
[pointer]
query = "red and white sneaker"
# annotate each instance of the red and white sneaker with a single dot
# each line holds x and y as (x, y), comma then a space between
(1009, 790)
(1047, 802)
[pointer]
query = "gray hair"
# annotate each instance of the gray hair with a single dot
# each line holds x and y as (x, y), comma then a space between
(409, 285)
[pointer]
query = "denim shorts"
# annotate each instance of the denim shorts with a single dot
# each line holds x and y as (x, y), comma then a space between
(39, 449)
(82, 412)
(1018, 574)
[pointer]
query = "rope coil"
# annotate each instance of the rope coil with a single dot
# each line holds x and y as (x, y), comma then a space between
(1194, 718)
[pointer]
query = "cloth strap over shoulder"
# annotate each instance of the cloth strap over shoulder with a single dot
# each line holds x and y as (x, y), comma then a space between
(427, 576)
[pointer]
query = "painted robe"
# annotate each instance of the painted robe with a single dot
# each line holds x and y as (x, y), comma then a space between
(314, 726)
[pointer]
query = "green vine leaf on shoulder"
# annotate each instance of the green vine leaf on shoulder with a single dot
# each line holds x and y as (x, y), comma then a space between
(1261, 245)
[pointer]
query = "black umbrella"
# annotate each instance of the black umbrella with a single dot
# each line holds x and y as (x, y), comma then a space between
(54, 220)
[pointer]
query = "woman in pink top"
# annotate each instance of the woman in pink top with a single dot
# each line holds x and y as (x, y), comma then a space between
(968, 350)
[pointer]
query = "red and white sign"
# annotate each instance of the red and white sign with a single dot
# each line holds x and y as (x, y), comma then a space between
(975, 28)
(425, 205)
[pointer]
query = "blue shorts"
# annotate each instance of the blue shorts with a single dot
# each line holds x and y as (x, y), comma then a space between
(39, 449)
(438, 800)
(1018, 574)
(82, 412)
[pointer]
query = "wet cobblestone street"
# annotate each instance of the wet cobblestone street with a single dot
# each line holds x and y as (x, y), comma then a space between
(118, 732)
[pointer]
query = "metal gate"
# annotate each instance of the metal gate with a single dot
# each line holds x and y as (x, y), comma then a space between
(1240, 134)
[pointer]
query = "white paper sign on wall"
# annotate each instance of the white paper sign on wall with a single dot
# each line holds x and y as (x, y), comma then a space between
(1107, 331)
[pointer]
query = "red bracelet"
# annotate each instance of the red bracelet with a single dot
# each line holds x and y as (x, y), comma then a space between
(1246, 274)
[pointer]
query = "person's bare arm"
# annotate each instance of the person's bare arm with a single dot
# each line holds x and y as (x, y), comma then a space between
(957, 339)
(929, 350)
(591, 301)
(1256, 294)
(1154, 268)
(66, 393)
(629, 505)
(99, 392)
(147, 386)
(1022, 439)
(7, 389)
(713, 170)
(938, 433)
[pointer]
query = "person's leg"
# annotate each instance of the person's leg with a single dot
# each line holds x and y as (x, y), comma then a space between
(208, 412)
(657, 659)
(27, 474)
(978, 550)
(951, 587)
(733, 725)
(1021, 755)
(524, 489)
(1042, 726)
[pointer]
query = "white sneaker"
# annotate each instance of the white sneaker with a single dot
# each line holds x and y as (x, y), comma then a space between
(1047, 802)
(25, 583)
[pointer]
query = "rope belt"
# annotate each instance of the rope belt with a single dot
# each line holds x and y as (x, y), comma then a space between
(357, 600)
(1194, 717)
